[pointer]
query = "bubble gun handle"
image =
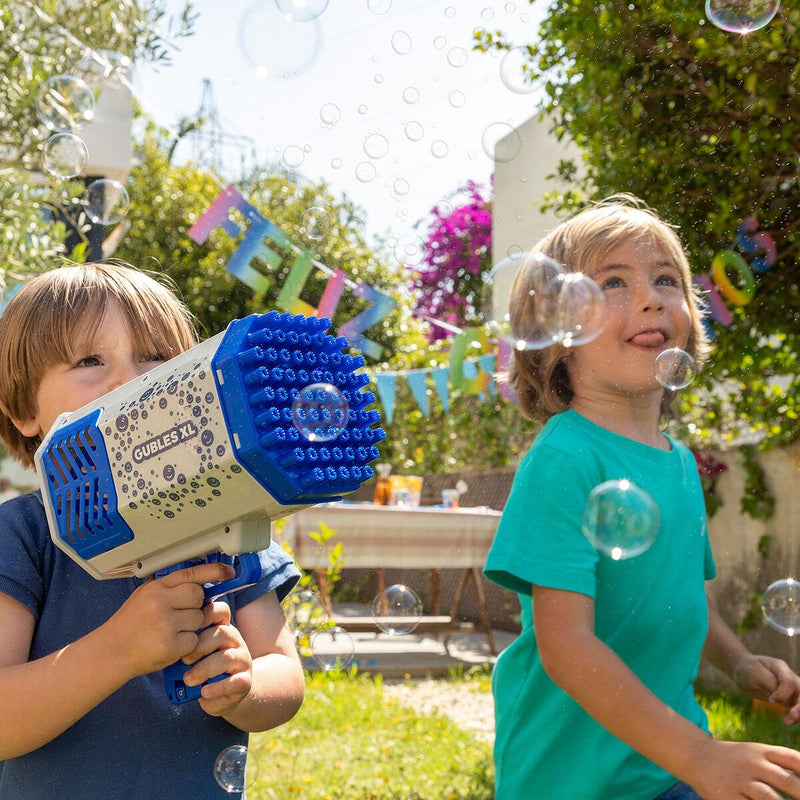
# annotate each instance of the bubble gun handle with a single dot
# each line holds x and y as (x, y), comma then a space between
(248, 572)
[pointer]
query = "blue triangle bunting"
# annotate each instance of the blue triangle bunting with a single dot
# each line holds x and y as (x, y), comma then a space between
(387, 390)
(441, 380)
(416, 380)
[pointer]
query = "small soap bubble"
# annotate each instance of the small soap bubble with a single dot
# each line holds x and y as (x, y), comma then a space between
(106, 201)
(315, 224)
(401, 43)
(397, 610)
(675, 368)
(780, 605)
(501, 142)
(64, 155)
(620, 519)
(293, 156)
(379, 7)
(320, 412)
(439, 148)
(330, 114)
(457, 98)
(401, 187)
(414, 131)
(741, 16)
(376, 146)
(336, 163)
(410, 95)
(515, 71)
(302, 10)
(232, 771)
(365, 171)
(457, 57)
(333, 648)
(304, 612)
(409, 250)
(64, 103)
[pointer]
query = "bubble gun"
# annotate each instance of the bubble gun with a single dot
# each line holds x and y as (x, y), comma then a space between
(191, 461)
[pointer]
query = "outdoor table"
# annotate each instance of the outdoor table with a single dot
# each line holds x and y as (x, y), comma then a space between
(412, 537)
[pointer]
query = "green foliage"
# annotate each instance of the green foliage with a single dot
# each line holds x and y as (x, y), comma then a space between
(734, 718)
(756, 500)
(348, 742)
(36, 43)
(702, 125)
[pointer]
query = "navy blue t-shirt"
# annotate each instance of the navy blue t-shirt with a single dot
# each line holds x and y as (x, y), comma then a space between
(134, 744)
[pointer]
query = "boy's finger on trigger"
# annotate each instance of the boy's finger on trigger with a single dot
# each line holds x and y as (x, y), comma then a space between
(200, 574)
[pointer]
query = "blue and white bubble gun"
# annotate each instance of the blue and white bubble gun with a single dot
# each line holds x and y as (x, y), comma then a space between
(195, 458)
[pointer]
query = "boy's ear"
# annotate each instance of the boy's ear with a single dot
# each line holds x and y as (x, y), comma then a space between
(28, 427)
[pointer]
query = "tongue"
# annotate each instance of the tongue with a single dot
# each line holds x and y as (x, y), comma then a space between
(648, 339)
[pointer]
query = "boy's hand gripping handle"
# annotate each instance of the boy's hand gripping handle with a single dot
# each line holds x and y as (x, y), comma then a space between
(248, 572)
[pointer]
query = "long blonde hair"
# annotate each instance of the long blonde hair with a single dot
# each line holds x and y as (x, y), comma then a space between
(540, 377)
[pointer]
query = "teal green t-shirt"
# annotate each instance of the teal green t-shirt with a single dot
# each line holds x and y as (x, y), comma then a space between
(650, 609)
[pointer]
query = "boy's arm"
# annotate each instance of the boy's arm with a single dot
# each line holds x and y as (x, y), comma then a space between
(152, 629)
(596, 678)
(266, 683)
(763, 677)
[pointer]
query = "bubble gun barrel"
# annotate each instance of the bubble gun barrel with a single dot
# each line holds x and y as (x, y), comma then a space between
(196, 457)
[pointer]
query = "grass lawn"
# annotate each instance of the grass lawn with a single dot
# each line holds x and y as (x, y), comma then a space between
(349, 742)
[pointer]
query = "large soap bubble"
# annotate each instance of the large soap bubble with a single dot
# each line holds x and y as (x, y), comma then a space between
(276, 43)
(675, 368)
(781, 606)
(320, 412)
(620, 519)
(232, 771)
(106, 201)
(741, 16)
(397, 610)
(64, 103)
(530, 302)
(64, 155)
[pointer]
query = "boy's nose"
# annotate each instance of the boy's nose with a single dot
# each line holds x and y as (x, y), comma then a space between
(650, 299)
(124, 373)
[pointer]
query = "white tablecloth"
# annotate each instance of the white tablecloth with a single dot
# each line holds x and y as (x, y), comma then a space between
(393, 536)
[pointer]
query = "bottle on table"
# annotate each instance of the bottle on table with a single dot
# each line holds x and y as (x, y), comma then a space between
(383, 485)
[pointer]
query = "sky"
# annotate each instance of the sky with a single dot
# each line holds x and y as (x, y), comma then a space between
(385, 100)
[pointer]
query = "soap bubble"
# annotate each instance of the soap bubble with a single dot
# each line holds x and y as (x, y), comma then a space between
(231, 769)
(741, 16)
(781, 606)
(409, 250)
(514, 71)
(333, 648)
(401, 43)
(501, 142)
(64, 103)
(304, 612)
(397, 610)
(278, 44)
(675, 368)
(64, 155)
(547, 306)
(620, 519)
(376, 145)
(330, 114)
(302, 10)
(316, 223)
(320, 412)
(106, 201)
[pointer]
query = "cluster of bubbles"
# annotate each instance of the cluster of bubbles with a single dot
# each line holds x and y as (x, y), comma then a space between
(530, 302)
(64, 104)
(741, 16)
(620, 519)
(320, 412)
(232, 770)
(396, 611)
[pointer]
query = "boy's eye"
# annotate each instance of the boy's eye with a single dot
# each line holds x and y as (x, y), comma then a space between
(89, 361)
(667, 280)
(612, 283)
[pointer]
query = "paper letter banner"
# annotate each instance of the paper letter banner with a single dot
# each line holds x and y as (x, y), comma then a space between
(416, 380)
(254, 263)
(387, 387)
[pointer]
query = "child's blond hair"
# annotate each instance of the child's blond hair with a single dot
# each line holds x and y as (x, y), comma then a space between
(540, 377)
(56, 309)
